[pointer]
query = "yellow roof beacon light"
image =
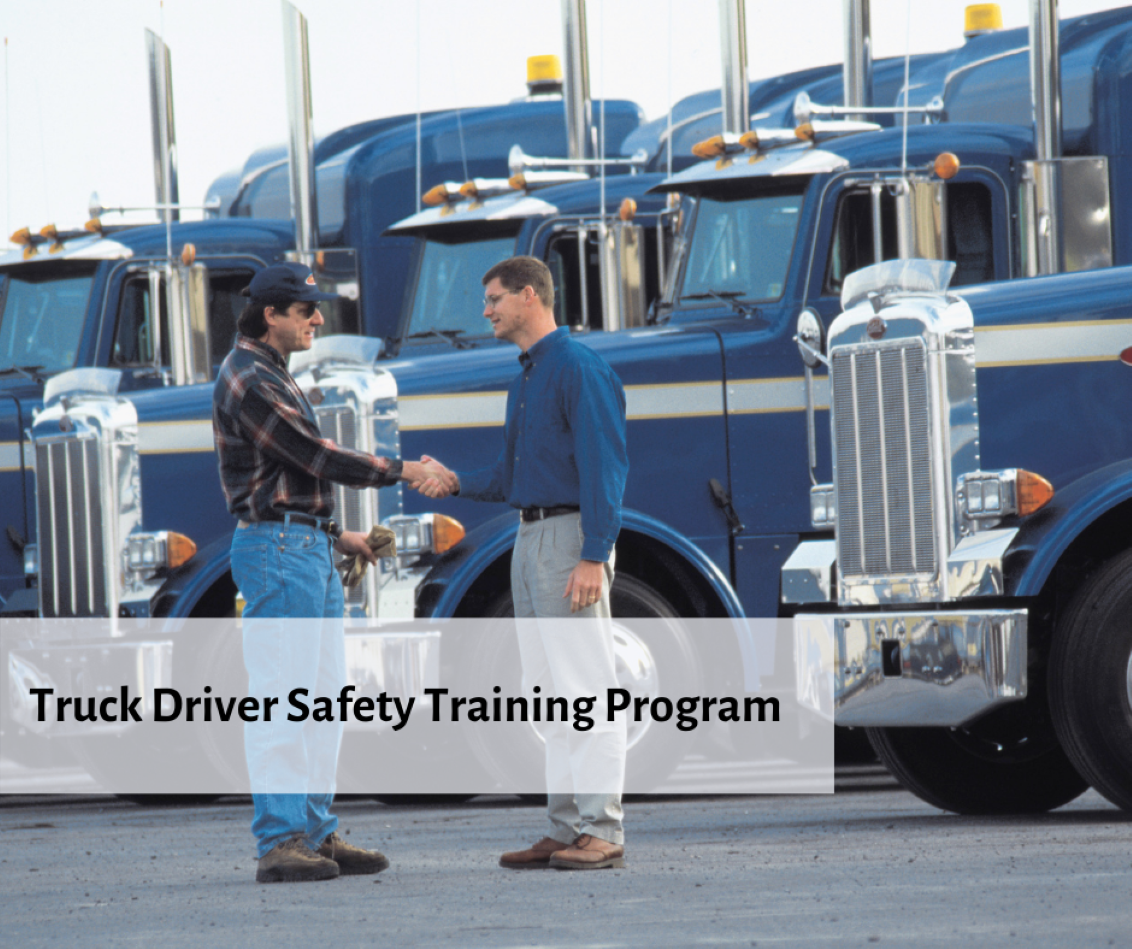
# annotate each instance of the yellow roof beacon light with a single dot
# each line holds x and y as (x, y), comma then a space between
(946, 165)
(544, 75)
(628, 210)
(980, 18)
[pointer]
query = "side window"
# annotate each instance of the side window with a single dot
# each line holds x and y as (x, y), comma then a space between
(970, 240)
(852, 246)
(969, 235)
(224, 307)
(134, 337)
(565, 265)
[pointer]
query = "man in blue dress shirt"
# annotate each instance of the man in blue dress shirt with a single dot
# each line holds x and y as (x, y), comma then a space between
(563, 465)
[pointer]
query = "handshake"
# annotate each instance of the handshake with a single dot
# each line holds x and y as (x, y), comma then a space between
(430, 478)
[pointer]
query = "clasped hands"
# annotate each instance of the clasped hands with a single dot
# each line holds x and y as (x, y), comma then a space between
(430, 478)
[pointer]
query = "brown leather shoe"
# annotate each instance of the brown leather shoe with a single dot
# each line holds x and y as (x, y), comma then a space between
(589, 853)
(533, 858)
(352, 860)
(294, 862)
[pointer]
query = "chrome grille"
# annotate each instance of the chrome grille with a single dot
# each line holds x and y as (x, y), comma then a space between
(882, 434)
(71, 533)
(340, 425)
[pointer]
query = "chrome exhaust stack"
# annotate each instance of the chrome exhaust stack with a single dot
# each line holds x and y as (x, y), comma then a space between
(300, 137)
(1045, 94)
(857, 69)
(576, 86)
(733, 49)
(161, 120)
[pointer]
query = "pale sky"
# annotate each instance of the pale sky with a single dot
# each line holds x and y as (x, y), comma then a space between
(75, 109)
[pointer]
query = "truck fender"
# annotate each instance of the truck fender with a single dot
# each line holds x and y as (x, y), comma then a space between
(1044, 537)
(457, 572)
(189, 584)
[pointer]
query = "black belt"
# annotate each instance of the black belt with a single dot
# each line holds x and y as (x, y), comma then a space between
(324, 524)
(542, 513)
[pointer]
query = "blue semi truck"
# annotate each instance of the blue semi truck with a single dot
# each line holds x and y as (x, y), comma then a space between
(735, 506)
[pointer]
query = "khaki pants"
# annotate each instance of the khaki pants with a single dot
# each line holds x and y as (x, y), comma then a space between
(570, 656)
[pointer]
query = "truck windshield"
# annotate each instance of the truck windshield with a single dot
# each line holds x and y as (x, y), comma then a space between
(41, 315)
(741, 247)
(449, 295)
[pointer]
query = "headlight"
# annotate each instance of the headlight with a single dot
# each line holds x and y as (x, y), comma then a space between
(147, 552)
(985, 496)
(424, 533)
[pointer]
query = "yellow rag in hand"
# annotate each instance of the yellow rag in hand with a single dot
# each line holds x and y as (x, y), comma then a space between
(382, 541)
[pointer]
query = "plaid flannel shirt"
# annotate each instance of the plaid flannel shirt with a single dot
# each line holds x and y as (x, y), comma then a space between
(273, 460)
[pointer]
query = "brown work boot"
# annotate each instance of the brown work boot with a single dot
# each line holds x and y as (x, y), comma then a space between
(352, 860)
(533, 858)
(294, 862)
(589, 853)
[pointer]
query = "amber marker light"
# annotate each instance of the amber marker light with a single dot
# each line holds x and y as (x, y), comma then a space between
(518, 182)
(94, 225)
(628, 210)
(712, 147)
(749, 140)
(447, 532)
(469, 190)
(436, 195)
(1033, 492)
(946, 165)
(805, 132)
(51, 233)
(22, 236)
(188, 255)
(179, 549)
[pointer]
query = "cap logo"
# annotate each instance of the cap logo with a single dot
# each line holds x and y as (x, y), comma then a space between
(310, 279)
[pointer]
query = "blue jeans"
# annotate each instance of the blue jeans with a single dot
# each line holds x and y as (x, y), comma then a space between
(286, 574)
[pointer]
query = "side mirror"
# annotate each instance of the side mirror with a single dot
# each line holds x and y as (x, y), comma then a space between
(810, 337)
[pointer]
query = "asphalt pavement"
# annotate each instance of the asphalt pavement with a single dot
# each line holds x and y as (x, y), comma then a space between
(868, 865)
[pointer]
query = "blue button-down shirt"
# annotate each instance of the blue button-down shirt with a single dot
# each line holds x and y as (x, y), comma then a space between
(564, 441)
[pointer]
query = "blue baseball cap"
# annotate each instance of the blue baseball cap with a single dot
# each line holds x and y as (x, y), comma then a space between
(289, 281)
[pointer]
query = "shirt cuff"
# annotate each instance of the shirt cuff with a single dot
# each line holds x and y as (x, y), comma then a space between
(596, 549)
(393, 471)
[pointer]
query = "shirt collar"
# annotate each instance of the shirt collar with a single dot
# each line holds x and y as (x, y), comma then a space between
(255, 346)
(543, 346)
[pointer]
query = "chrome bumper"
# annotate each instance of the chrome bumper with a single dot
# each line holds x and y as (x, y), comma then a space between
(887, 669)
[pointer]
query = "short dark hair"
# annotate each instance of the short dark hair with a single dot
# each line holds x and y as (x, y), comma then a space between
(252, 323)
(518, 272)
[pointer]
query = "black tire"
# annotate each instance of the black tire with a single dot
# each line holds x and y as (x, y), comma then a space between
(1006, 763)
(652, 754)
(1091, 680)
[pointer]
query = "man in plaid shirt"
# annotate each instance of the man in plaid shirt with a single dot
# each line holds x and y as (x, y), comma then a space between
(276, 470)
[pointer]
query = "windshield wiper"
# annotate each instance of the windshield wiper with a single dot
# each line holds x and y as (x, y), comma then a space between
(449, 336)
(729, 297)
(28, 372)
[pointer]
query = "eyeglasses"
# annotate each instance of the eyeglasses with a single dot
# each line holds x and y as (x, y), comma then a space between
(492, 301)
